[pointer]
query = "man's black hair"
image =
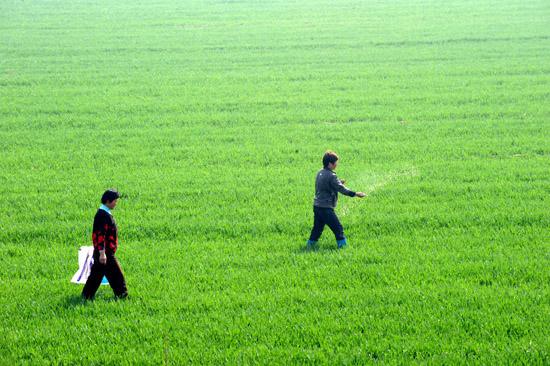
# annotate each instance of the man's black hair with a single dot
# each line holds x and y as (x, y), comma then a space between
(109, 196)
(329, 157)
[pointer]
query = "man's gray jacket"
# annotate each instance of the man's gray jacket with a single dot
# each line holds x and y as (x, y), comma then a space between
(327, 186)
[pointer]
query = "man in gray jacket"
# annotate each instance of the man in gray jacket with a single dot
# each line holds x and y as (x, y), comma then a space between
(327, 186)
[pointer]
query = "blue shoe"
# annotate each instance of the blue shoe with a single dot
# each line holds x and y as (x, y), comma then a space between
(341, 243)
(311, 245)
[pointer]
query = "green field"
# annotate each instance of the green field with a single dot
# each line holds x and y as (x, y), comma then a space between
(211, 118)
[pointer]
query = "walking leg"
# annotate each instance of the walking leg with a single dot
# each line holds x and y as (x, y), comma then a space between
(317, 230)
(334, 223)
(116, 277)
(94, 280)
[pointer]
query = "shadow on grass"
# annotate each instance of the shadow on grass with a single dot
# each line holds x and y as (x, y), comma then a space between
(76, 300)
(73, 301)
(319, 249)
(328, 249)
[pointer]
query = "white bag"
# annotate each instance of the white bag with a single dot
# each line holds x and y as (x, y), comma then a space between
(85, 262)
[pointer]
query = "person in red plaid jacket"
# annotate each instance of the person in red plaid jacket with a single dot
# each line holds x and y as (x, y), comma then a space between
(105, 241)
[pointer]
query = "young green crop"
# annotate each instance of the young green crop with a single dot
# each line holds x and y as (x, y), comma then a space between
(212, 117)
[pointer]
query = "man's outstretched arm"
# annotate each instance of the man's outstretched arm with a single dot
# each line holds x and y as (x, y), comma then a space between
(338, 185)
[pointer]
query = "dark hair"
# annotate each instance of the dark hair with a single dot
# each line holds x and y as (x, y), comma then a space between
(109, 196)
(329, 157)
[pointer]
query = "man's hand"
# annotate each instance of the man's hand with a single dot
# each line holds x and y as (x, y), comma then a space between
(102, 257)
(360, 194)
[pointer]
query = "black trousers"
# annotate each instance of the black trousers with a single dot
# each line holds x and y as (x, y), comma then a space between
(111, 270)
(325, 216)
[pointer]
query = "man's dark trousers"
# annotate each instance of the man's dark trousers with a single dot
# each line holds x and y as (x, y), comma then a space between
(325, 216)
(111, 270)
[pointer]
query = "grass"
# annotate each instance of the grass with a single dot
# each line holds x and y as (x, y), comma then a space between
(211, 118)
